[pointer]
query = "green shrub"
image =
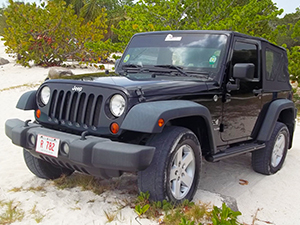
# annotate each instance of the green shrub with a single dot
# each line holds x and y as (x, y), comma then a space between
(224, 216)
(186, 213)
(294, 61)
(50, 33)
(104, 48)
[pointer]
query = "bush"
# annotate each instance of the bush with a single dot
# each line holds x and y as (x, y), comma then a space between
(186, 213)
(104, 48)
(49, 34)
(2, 21)
(294, 62)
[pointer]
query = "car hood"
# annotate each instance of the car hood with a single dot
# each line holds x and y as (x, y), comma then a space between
(153, 87)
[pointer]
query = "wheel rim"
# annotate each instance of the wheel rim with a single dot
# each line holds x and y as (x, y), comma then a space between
(278, 150)
(182, 172)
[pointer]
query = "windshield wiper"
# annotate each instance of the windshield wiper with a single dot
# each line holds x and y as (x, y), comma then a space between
(136, 68)
(186, 73)
(191, 73)
(179, 69)
(133, 67)
(126, 66)
(203, 74)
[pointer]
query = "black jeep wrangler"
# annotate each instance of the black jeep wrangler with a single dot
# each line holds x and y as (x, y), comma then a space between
(179, 96)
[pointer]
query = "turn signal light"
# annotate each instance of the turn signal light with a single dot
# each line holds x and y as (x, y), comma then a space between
(114, 128)
(38, 113)
(161, 122)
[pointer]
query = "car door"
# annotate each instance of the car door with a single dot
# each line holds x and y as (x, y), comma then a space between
(242, 105)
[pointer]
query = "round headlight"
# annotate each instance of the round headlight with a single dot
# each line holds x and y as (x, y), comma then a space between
(117, 105)
(45, 95)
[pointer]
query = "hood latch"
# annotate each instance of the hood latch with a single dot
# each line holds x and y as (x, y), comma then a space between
(140, 93)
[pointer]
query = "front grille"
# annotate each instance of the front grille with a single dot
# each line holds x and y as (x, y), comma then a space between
(77, 108)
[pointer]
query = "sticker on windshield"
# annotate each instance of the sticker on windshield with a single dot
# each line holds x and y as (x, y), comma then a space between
(126, 58)
(170, 37)
(212, 60)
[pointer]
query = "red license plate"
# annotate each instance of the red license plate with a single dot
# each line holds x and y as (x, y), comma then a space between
(47, 145)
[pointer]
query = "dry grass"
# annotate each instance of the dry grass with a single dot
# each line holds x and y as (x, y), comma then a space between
(33, 189)
(16, 189)
(11, 212)
(97, 185)
(85, 182)
(110, 216)
(126, 184)
(37, 215)
(28, 85)
(75, 208)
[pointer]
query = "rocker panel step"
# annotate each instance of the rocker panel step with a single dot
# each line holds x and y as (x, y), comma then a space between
(233, 151)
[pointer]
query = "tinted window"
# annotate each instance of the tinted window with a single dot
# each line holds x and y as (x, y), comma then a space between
(274, 66)
(270, 75)
(246, 53)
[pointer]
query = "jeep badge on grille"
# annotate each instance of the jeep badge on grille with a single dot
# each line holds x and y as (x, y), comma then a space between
(75, 88)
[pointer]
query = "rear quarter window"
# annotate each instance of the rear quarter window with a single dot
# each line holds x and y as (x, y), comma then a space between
(275, 66)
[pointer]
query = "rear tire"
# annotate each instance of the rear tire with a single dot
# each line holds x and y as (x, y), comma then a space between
(174, 172)
(43, 169)
(270, 159)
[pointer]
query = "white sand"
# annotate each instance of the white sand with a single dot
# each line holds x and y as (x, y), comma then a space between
(276, 197)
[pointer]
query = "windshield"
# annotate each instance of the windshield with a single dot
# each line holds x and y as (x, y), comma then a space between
(182, 56)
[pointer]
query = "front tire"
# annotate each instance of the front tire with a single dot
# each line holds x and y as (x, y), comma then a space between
(43, 169)
(174, 172)
(270, 159)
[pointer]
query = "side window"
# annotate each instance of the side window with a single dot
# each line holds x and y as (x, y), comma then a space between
(246, 53)
(270, 65)
(274, 66)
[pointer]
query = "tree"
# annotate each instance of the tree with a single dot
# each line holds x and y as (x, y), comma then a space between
(49, 34)
(287, 25)
(150, 15)
(289, 37)
(251, 18)
(294, 55)
(2, 21)
(91, 9)
(115, 10)
(246, 16)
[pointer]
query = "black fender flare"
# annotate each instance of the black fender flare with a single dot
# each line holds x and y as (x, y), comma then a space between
(272, 115)
(144, 117)
(27, 101)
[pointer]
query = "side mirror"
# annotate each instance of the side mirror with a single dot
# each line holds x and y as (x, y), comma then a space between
(244, 71)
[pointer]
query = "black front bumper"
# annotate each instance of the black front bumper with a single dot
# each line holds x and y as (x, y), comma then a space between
(93, 155)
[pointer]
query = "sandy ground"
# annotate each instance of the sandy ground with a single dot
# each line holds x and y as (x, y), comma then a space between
(273, 199)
